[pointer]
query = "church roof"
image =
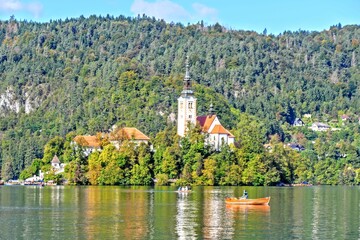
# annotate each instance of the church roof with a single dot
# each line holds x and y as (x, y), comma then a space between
(130, 133)
(87, 141)
(205, 121)
(219, 129)
(55, 160)
(201, 120)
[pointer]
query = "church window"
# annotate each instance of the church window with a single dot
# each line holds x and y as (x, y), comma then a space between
(190, 105)
(190, 116)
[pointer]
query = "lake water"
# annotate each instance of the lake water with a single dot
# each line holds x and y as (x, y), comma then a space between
(65, 212)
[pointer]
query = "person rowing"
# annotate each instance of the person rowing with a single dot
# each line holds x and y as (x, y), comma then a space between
(245, 195)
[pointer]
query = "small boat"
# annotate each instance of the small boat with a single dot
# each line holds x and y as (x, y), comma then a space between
(183, 191)
(245, 201)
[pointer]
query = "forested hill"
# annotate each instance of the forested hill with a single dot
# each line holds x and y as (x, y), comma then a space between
(86, 74)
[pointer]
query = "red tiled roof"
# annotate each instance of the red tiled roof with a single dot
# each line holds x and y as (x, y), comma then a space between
(87, 141)
(130, 134)
(219, 129)
(136, 134)
(55, 160)
(201, 120)
(206, 121)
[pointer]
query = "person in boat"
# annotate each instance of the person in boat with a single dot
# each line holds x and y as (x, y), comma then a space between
(245, 195)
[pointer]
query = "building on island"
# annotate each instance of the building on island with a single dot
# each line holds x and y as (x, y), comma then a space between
(217, 135)
(55, 162)
(88, 143)
(128, 133)
(115, 137)
(57, 166)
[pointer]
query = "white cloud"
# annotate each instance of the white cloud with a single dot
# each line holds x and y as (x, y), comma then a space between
(10, 5)
(170, 11)
(13, 6)
(203, 11)
(162, 9)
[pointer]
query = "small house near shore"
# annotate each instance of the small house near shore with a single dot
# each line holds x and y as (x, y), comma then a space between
(57, 166)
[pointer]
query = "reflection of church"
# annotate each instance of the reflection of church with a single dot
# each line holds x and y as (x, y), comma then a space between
(217, 134)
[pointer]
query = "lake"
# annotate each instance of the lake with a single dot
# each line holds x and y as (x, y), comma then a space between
(91, 212)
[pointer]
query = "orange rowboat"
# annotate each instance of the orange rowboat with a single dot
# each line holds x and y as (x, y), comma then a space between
(243, 201)
(248, 208)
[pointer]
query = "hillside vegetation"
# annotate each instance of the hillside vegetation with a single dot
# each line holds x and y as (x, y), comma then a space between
(84, 75)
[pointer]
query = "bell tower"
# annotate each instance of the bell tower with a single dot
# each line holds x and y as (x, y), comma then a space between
(186, 104)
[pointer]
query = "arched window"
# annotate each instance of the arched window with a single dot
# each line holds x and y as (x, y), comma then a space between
(190, 105)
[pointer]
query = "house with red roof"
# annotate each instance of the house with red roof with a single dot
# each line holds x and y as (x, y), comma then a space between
(93, 143)
(88, 143)
(128, 133)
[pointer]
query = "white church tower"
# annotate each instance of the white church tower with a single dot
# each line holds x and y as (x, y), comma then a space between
(186, 104)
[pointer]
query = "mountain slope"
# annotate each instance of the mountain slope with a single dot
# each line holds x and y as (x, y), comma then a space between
(86, 74)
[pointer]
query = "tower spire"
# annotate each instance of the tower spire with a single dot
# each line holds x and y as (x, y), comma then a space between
(186, 104)
(187, 74)
(187, 81)
(211, 109)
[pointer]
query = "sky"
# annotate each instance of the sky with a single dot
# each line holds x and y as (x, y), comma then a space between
(276, 16)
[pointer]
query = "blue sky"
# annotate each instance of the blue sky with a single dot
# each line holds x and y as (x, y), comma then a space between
(274, 15)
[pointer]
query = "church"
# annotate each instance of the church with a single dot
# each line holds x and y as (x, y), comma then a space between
(210, 124)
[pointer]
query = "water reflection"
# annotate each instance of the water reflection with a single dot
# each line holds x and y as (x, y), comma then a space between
(316, 215)
(60, 212)
(217, 225)
(249, 209)
(359, 222)
(185, 217)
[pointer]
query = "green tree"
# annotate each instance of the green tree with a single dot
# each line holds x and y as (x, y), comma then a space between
(54, 147)
(208, 176)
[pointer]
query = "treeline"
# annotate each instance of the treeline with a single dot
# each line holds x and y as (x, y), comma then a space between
(190, 161)
(84, 75)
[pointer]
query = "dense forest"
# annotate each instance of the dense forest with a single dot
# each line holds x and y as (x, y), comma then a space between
(81, 76)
